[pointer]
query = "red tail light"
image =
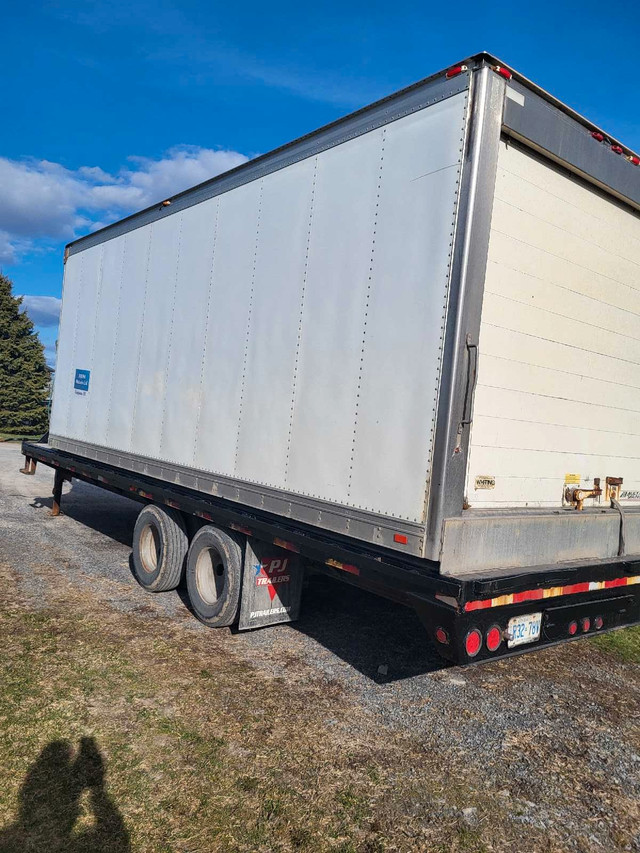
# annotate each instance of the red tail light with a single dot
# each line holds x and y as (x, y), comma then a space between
(616, 149)
(635, 161)
(573, 628)
(493, 638)
(598, 622)
(442, 636)
(599, 137)
(585, 624)
(473, 642)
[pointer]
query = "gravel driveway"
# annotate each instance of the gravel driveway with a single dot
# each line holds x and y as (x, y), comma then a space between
(552, 738)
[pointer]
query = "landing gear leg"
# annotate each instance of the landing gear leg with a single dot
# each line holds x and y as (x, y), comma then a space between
(29, 466)
(58, 480)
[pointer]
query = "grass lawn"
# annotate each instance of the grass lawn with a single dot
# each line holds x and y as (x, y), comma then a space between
(624, 644)
(126, 733)
(121, 733)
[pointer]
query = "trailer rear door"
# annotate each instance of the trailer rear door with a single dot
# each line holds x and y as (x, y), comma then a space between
(558, 394)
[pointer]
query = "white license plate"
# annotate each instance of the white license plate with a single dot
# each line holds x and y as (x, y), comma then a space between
(524, 629)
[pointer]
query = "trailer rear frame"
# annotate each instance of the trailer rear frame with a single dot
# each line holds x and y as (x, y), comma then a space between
(442, 603)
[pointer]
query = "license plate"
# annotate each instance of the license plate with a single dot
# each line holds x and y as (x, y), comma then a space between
(524, 629)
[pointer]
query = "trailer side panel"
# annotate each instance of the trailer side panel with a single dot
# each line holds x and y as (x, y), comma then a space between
(288, 332)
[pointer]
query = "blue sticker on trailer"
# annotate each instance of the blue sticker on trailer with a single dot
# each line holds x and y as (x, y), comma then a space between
(81, 382)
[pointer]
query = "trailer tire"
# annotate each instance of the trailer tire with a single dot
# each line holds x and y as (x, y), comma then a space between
(160, 545)
(214, 576)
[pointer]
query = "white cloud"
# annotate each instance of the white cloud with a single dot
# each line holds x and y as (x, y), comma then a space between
(7, 250)
(154, 180)
(37, 200)
(95, 173)
(44, 201)
(42, 310)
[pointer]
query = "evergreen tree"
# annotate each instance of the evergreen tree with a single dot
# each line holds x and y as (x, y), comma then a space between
(24, 375)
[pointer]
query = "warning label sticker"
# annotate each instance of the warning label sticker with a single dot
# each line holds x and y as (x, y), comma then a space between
(485, 482)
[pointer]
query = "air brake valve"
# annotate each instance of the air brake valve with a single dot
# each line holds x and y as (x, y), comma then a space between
(577, 497)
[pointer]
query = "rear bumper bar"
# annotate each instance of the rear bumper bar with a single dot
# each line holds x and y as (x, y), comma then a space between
(564, 618)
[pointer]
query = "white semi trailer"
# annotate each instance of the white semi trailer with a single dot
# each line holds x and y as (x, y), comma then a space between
(403, 350)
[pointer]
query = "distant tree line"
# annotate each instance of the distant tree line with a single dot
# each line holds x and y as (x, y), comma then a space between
(24, 374)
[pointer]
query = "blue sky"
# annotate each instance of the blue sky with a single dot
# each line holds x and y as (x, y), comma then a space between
(109, 107)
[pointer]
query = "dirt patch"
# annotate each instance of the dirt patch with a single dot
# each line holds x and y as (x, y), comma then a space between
(204, 752)
(183, 739)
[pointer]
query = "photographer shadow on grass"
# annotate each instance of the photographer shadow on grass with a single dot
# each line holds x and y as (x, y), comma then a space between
(64, 807)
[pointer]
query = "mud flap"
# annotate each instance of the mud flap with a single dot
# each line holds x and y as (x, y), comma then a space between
(271, 585)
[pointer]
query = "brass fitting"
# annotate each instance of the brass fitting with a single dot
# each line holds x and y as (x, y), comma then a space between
(577, 497)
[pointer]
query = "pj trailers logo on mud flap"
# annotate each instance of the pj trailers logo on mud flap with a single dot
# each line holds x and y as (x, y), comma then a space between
(271, 573)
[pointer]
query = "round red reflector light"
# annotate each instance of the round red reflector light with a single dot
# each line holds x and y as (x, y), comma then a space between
(599, 137)
(585, 624)
(573, 628)
(616, 149)
(473, 642)
(598, 622)
(442, 636)
(493, 638)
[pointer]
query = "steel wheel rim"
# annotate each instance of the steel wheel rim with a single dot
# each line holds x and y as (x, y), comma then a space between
(150, 548)
(210, 576)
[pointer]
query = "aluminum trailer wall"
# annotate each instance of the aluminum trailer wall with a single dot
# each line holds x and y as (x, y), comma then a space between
(284, 337)
(557, 356)
(558, 394)
(303, 335)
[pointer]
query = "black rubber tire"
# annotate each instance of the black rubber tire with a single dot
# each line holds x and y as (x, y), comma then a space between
(160, 545)
(214, 576)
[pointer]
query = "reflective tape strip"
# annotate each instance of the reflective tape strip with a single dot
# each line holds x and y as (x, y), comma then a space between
(550, 592)
(344, 567)
(289, 546)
